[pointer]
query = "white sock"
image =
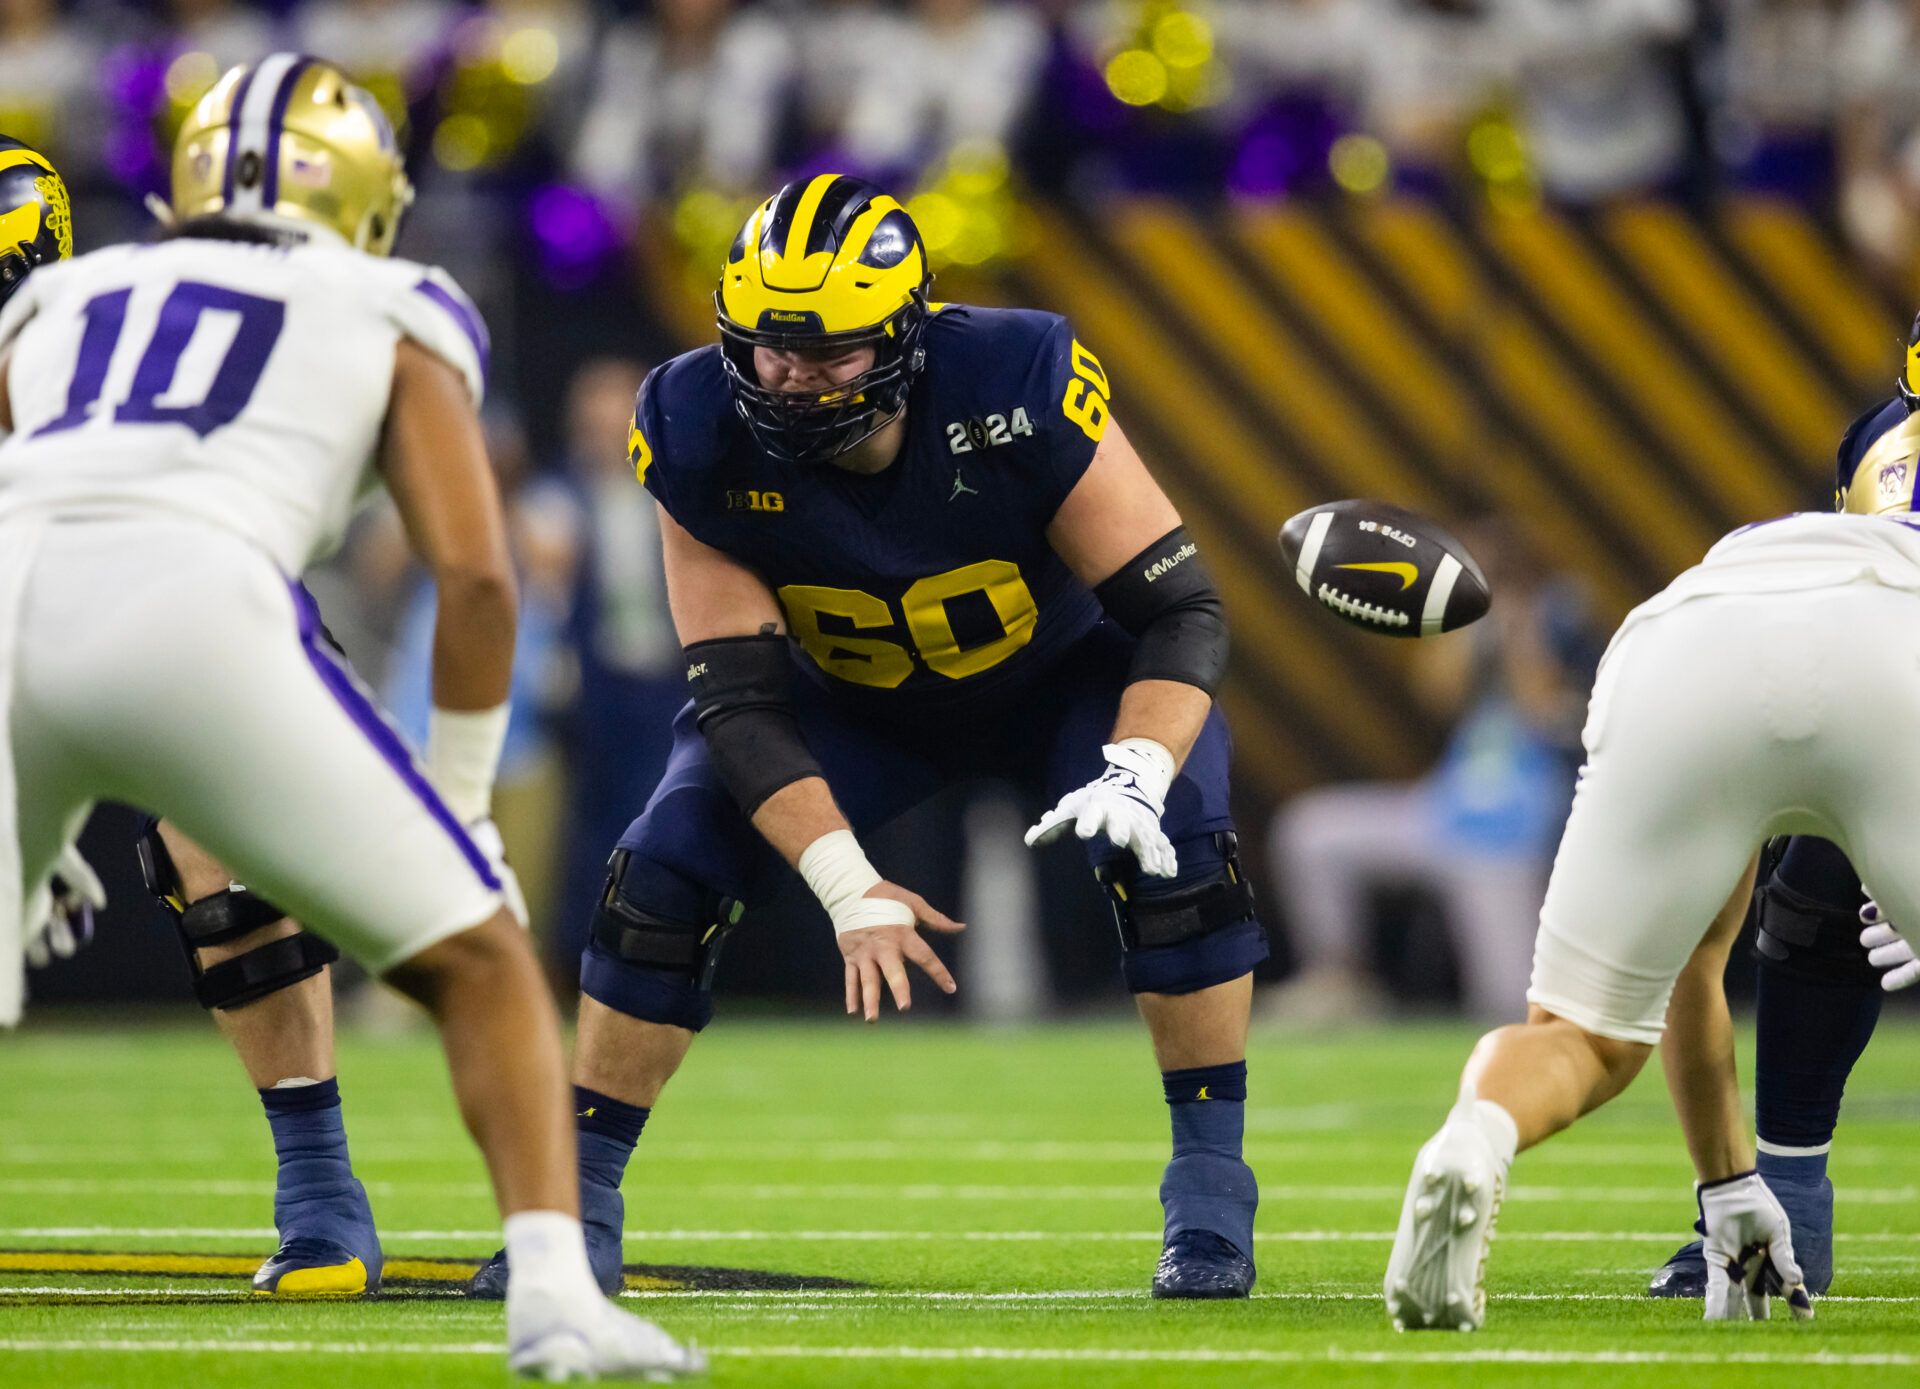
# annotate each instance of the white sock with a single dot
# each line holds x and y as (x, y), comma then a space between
(548, 1253)
(1494, 1122)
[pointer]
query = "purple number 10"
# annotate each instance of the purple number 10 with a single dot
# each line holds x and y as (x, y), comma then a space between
(233, 383)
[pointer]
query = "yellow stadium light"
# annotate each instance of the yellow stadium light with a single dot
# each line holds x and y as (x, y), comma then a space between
(1183, 40)
(938, 217)
(529, 56)
(1137, 77)
(461, 143)
(1359, 163)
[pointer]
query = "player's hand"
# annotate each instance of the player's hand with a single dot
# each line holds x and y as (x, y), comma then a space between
(1125, 804)
(68, 926)
(486, 837)
(1749, 1251)
(1888, 950)
(878, 955)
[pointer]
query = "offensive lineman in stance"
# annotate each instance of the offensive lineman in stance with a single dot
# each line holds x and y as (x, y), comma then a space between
(1728, 710)
(906, 544)
(193, 422)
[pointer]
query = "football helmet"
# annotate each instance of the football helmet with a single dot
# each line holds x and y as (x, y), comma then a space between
(289, 143)
(36, 219)
(1908, 382)
(1883, 483)
(826, 263)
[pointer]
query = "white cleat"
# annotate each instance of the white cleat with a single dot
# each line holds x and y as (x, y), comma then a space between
(1440, 1255)
(558, 1342)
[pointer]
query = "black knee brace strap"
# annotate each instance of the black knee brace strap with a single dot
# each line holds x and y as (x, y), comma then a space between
(222, 917)
(632, 933)
(1809, 937)
(1173, 918)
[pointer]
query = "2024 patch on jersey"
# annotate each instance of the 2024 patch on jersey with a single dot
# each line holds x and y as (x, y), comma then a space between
(931, 582)
(241, 382)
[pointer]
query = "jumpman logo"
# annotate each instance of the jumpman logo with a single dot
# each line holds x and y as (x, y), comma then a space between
(960, 486)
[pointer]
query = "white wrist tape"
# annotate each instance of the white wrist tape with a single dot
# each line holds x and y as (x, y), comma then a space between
(463, 756)
(836, 868)
(1151, 764)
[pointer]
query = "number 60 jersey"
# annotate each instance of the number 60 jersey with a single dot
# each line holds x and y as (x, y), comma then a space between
(242, 382)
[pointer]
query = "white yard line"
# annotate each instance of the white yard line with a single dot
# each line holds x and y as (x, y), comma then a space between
(1094, 1355)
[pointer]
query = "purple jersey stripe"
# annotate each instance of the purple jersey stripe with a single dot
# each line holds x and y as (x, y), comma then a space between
(276, 119)
(464, 314)
(346, 691)
(233, 136)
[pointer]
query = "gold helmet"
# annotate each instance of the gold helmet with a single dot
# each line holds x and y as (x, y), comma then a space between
(36, 220)
(827, 262)
(289, 142)
(1883, 482)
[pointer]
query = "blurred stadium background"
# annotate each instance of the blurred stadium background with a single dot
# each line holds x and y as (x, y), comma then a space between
(1594, 280)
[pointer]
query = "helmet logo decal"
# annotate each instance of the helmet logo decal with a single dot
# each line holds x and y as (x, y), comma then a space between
(59, 219)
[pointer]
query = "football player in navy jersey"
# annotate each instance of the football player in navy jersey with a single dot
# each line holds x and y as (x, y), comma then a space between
(1818, 996)
(906, 544)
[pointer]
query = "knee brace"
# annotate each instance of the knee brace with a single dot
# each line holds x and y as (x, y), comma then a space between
(1809, 938)
(225, 916)
(1193, 934)
(654, 943)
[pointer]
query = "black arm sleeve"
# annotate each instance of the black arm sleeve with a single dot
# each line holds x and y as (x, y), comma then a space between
(742, 701)
(1166, 599)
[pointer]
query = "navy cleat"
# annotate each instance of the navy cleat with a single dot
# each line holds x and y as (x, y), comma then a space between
(1201, 1264)
(1684, 1275)
(489, 1281)
(305, 1266)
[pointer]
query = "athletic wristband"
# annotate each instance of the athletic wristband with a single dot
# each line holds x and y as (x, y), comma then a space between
(1150, 764)
(836, 868)
(463, 756)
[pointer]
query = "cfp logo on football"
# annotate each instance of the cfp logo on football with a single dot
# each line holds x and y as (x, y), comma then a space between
(1389, 532)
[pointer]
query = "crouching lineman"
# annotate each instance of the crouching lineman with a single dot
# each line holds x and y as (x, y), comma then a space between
(1729, 709)
(906, 544)
(193, 423)
(1817, 997)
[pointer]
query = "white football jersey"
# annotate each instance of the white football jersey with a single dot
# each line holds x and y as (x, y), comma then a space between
(243, 383)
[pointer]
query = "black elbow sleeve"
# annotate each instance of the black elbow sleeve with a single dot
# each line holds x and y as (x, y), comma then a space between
(1166, 599)
(742, 691)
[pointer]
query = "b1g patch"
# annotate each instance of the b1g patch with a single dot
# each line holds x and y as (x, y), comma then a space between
(755, 501)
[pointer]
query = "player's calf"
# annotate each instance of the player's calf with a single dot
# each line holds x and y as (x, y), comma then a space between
(265, 980)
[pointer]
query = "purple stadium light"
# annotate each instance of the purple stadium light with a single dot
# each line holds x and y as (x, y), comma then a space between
(575, 233)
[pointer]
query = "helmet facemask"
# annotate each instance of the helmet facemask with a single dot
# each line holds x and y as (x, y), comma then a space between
(806, 427)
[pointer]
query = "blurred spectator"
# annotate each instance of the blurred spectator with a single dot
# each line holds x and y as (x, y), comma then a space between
(691, 95)
(1879, 135)
(48, 84)
(1776, 81)
(1598, 90)
(618, 730)
(837, 41)
(230, 31)
(1478, 832)
(960, 74)
(381, 43)
(1426, 68)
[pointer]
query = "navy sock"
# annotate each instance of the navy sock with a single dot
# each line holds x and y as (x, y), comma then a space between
(607, 1130)
(310, 1141)
(1209, 1107)
(1810, 1034)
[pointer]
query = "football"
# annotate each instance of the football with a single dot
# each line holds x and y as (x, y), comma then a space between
(1384, 568)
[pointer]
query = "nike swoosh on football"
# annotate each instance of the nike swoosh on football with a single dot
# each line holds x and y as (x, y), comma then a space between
(1407, 572)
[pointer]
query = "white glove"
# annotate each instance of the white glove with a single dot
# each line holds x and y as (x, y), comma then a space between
(1888, 951)
(68, 925)
(1749, 1251)
(1125, 804)
(486, 837)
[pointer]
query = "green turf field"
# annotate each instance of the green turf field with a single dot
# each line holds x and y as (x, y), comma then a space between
(907, 1204)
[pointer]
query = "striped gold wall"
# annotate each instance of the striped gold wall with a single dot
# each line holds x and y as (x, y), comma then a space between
(1626, 387)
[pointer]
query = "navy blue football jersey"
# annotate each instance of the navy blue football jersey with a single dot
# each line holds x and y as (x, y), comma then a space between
(930, 583)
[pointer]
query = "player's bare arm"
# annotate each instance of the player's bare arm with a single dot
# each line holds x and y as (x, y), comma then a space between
(1697, 1049)
(735, 638)
(1121, 537)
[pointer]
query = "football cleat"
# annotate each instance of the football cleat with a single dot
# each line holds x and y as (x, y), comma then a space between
(1435, 1276)
(1199, 1264)
(1683, 1275)
(308, 1267)
(556, 1339)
